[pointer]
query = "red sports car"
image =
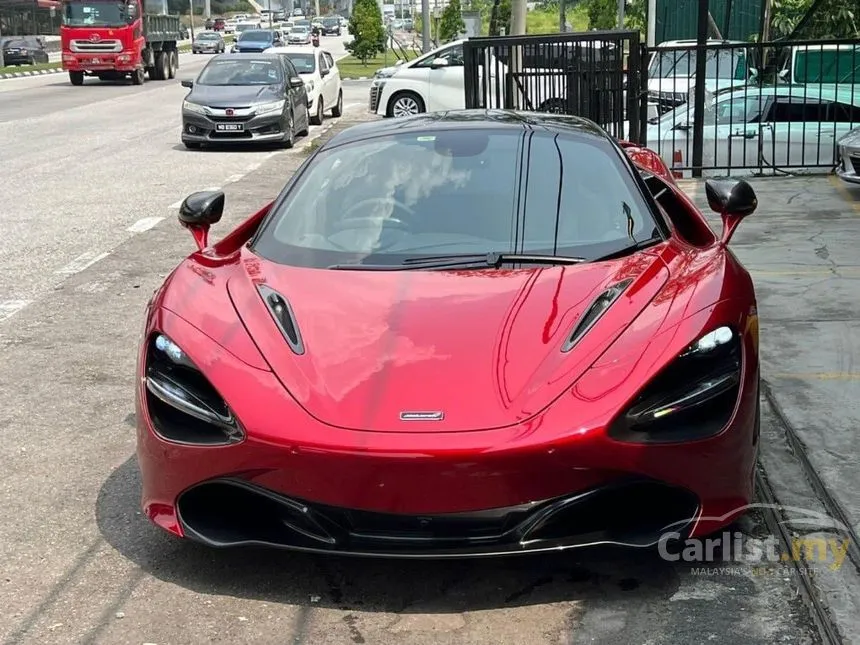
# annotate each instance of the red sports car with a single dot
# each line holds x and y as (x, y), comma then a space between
(470, 333)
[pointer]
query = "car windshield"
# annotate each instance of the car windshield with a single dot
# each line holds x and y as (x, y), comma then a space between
(13, 43)
(724, 63)
(330, 21)
(240, 71)
(208, 37)
(95, 14)
(388, 199)
(255, 36)
(304, 63)
(300, 30)
(243, 28)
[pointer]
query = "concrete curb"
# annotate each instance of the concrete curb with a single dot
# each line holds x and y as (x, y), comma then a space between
(356, 78)
(30, 73)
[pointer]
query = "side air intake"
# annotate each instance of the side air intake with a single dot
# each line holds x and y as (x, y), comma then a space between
(284, 318)
(599, 307)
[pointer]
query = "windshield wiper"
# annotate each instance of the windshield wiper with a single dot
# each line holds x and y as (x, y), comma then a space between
(492, 259)
(627, 250)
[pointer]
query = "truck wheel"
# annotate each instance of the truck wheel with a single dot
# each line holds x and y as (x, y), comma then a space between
(172, 64)
(161, 66)
(137, 77)
(76, 78)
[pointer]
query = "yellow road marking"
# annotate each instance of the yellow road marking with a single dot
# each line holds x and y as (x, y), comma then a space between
(843, 191)
(818, 376)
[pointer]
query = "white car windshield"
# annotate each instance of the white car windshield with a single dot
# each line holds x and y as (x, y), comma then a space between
(304, 63)
(456, 191)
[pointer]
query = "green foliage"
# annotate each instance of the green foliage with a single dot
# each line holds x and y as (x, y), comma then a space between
(369, 35)
(451, 23)
(830, 19)
(602, 14)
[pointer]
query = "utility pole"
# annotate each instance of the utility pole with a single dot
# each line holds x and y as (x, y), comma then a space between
(562, 16)
(207, 9)
(621, 7)
(425, 26)
(518, 17)
(651, 34)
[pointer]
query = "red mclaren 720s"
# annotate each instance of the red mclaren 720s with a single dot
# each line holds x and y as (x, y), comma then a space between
(460, 334)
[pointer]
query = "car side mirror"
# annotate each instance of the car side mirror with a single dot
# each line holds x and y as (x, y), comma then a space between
(199, 211)
(783, 73)
(187, 83)
(439, 63)
(296, 82)
(325, 72)
(733, 201)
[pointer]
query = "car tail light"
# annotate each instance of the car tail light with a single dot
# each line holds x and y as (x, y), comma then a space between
(693, 398)
(183, 405)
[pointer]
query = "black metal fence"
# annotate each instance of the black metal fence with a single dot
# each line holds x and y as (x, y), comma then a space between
(769, 108)
(597, 75)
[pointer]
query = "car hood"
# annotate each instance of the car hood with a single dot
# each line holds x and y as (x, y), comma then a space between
(851, 139)
(234, 95)
(481, 347)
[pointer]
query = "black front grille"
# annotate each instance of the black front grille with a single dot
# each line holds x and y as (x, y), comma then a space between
(634, 513)
(854, 160)
(231, 119)
(375, 91)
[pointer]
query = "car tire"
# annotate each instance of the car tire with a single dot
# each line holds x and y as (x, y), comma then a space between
(172, 63)
(290, 136)
(404, 104)
(76, 78)
(337, 110)
(307, 129)
(317, 118)
(192, 145)
(137, 77)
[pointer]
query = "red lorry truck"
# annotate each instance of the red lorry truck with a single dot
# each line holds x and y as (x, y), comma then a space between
(116, 39)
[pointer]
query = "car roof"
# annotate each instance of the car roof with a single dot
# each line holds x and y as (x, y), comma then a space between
(845, 93)
(298, 49)
(246, 56)
(693, 43)
(498, 120)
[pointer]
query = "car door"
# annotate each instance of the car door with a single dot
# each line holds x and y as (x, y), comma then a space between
(446, 82)
(333, 78)
(796, 130)
(734, 141)
(297, 96)
(325, 79)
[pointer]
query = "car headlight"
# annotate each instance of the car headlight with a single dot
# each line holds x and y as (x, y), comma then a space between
(693, 398)
(274, 106)
(183, 405)
(188, 106)
(378, 84)
(309, 86)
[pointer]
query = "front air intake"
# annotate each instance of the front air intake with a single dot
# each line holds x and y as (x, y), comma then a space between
(284, 317)
(594, 312)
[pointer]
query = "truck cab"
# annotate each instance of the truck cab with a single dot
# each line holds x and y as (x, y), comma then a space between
(114, 40)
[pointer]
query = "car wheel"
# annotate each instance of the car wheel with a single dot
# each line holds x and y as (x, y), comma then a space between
(405, 104)
(317, 118)
(173, 63)
(76, 78)
(337, 110)
(290, 136)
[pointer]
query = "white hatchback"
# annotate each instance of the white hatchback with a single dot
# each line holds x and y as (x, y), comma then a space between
(322, 79)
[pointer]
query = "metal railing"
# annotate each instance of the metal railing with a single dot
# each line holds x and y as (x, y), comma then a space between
(769, 108)
(596, 75)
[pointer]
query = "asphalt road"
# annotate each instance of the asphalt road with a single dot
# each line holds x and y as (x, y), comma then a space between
(92, 176)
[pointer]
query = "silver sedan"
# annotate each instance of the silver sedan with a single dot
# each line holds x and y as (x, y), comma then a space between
(849, 157)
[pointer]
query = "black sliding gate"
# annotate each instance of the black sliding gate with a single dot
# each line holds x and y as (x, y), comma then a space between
(599, 75)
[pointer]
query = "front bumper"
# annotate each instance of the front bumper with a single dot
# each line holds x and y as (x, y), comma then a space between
(16, 58)
(205, 50)
(848, 169)
(100, 62)
(199, 128)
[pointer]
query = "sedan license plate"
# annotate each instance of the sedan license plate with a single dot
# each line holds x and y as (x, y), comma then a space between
(95, 61)
(230, 127)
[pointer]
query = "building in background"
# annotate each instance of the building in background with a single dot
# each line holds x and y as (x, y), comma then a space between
(30, 17)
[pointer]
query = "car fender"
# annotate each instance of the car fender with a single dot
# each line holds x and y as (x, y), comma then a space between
(398, 84)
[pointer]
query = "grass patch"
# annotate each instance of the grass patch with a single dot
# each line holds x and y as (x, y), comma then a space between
(352, 67)
(11, 69)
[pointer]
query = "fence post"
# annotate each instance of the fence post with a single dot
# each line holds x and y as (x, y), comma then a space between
(699, 97)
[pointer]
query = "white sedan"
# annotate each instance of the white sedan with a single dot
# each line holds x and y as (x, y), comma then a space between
(322, 79)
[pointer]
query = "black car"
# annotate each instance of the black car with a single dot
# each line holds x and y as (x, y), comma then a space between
(257, 40)
(23, 50)
(331, 27)
(245, 98)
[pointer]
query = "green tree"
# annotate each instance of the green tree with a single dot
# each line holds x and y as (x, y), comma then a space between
(602, 14)
(451, 23)
(368, 34)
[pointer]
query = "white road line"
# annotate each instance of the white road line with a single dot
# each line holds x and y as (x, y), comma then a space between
(144, 224)
(177, 204)
(81, 262)
(350, 105)
(232, 179)
(9, 308)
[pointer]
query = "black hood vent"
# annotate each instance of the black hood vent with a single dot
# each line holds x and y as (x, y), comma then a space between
(284, 317)
(597, 308)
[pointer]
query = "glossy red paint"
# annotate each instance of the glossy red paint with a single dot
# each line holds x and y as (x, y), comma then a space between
(522, 421)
